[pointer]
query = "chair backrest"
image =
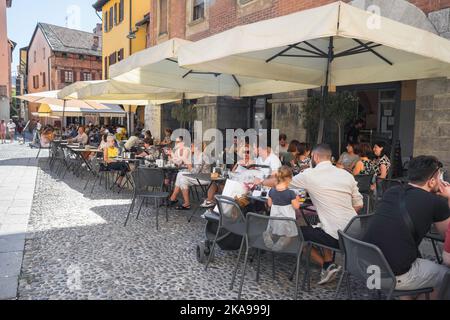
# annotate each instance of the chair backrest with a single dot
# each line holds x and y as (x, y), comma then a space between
(145, 178)
(364, 182)
(366, 204)
(231, 215)
(385, 184)
(367, 263)
(357, 227)
(275, 227)
(310, 216)
(444, 292)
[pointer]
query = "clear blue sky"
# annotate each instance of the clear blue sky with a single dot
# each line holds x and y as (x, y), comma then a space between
(25, 14)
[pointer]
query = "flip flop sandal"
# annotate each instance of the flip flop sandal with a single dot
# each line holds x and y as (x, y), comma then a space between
(183, 208)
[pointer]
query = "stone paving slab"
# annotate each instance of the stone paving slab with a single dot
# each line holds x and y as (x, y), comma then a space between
(10, 263)
(18, 169)
(8, 287)
(12, 243)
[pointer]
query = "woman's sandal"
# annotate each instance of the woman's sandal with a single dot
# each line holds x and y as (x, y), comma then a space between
(183, 208)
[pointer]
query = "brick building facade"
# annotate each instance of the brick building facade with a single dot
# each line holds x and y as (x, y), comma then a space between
(421, 108)
(59, 56)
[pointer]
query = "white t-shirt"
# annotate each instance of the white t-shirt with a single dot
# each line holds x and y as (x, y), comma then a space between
(334, 192)
(272, 161)
(38, 126)
(11, 126)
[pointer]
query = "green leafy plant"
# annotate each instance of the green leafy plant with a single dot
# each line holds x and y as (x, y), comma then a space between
(340, 108)
(185, 114)
(310, 113)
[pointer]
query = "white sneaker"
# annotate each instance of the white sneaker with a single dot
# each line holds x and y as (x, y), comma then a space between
(207, 204)
(329, 274)
(268, 241)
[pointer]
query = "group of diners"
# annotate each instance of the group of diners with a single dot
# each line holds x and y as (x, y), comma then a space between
(336, 198)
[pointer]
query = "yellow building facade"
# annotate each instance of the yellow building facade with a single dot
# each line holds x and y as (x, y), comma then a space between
(125, 26)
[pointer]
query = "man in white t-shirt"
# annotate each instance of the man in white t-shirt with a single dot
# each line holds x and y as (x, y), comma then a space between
(82, 137)
(267, 158)
(11, 129)
(335, 194)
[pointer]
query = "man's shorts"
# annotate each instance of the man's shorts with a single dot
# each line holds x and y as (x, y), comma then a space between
(319, 236)
(423, 274)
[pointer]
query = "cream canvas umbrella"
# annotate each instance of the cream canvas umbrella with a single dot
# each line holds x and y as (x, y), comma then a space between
(158, 67)
(50, 98)
(112, 91)
(336, 44)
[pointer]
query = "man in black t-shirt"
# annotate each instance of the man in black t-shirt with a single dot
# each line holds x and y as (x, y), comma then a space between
(427, 201)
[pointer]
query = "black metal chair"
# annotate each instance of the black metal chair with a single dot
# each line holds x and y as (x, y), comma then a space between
(365, 261)
(364, 182)
(356, 227)
(434, 236)
(99, 171)
(256, 226)
(382, 185)
(145, 179)
(232, 219)
(444, 292)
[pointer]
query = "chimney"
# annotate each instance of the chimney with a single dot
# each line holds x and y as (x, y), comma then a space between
(96, 41)
(98, 29)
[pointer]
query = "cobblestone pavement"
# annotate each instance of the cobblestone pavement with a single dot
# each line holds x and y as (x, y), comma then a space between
(78, 248)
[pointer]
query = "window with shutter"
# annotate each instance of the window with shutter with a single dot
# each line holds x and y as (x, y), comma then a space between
(115, 14)
(121, 10)
(106, 68)
(63, 76)
(43, 79)
(198, 11)
(105, 22)
(111, 18)
(163, 11)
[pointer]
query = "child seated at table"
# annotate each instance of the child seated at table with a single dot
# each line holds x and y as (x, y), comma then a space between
(282, 202)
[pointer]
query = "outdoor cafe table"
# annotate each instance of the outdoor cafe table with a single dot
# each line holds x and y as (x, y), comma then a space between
(206, 177)
(79, 154)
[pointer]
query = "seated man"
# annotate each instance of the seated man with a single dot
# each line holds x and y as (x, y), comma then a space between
(82, 137)
(132, 142)
(398, 232)
(334, 193)
(267, 158)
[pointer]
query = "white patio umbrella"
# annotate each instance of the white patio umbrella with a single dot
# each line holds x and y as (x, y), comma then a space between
(336, 44)
(158, 67)
(51, 98)
(112, 91)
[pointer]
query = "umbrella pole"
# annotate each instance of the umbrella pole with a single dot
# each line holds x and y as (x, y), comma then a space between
(325, 92)
(62, 119)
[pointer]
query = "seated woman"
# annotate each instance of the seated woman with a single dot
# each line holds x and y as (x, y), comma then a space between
(200, 164)
(214, 189)
(150, 152)
(348, 159)
(47, 136)
(282, 202)
(364, 166)
(303, 160)
(382, 164)
(109, 153)
(289, 158)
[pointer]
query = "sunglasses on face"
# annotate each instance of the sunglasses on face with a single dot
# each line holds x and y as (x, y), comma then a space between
(439, 169)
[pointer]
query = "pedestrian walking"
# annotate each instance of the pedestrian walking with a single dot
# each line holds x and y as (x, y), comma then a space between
(3, 131)
(11, 129)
